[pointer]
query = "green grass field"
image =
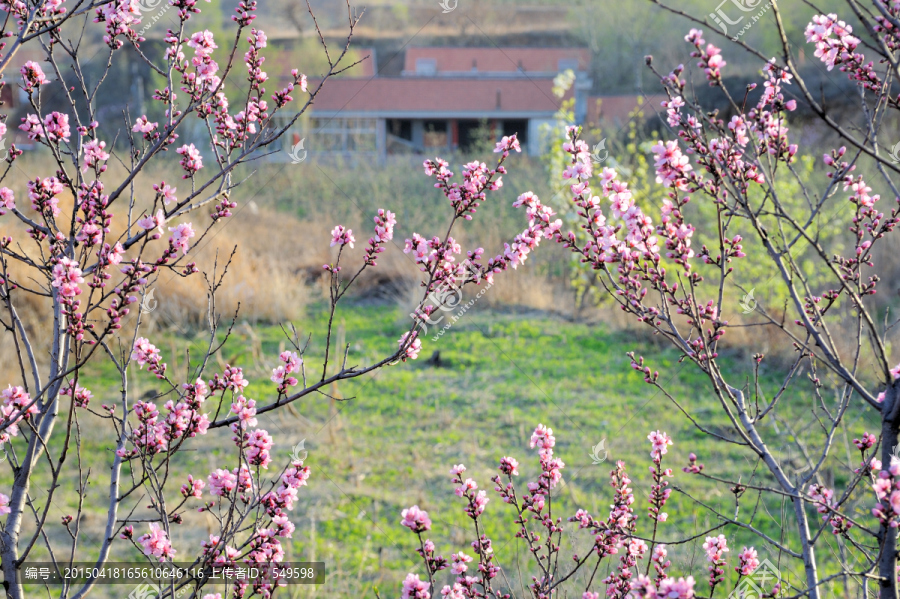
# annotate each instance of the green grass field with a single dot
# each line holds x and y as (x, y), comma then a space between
(391, 442)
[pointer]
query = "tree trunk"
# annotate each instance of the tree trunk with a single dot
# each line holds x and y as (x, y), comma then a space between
(49, 409)
(887, 561)
(809, 552)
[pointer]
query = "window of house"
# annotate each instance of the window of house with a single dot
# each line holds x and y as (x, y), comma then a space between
(435, 134)
(343, 135)
(400, 128)
(517, 126)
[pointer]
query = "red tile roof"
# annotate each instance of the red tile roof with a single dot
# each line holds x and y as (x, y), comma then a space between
(410, 96)
(497, 60)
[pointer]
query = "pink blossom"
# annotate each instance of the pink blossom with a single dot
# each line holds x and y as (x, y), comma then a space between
(672, 167)
(115, 253)
(56, 127)
(413, 348)
(284, 527)
(542, 438)
(384, 232)
(459, 566)
(7, 200)
(509, 466)
(33, 75)
(283, 497)
(156, 543)
(660, 442)
(677, 589)
(90, 234)
(180, 236)
(716, 548)
(693, 467)
(867, 441)
(832, 39)
(32, 126)
(80, 396)
(143, 125)
(468, 485)
(43, 192)
(281, 374)
(695, 36)
(221, 482)
(232, 379)
(203, 42)
(882, 487)
(748, 561)
(712, 62)
(245, 409)
(67, 277)
(895, 502)
(150, 222)
(192, 161)
(673, 110)
(415, 519)
(506, 144)
(413, 588)
(342, 236)
(192, 488)
(166, 192)
(457, 591)
(258, 446)
(145, 352)
(94, 155)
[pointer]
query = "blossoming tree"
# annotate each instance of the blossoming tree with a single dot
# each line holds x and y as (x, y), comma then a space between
(88, 273)
(841, 362)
